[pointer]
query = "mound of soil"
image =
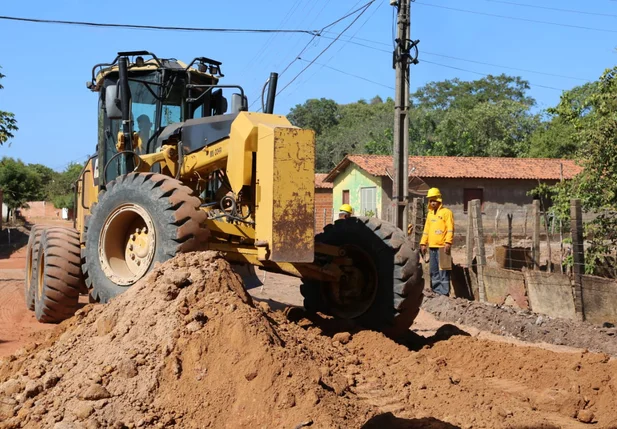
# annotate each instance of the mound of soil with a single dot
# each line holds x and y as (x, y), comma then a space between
(186, 348)
(523, 324)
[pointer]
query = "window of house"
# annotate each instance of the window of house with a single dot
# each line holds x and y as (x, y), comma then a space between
(368, 201)
(346, 197)
(473, 194)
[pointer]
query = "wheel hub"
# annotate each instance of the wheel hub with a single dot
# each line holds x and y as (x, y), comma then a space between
(357, 287)
(127, 244)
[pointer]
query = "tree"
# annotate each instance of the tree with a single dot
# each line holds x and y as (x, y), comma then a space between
(361, 128)
(485, 117)
(8, 123)
(60, 191)
(591, 114)
(456, 93)
(19, 183)
(47, 177)
(498, 129)
(554, 138)
(318, 115)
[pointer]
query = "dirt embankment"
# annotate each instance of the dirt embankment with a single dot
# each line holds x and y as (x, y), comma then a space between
(523, 324)
(187, 348)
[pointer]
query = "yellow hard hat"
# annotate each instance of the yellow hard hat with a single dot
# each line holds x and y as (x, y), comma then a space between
(346, 208)
(434, 193)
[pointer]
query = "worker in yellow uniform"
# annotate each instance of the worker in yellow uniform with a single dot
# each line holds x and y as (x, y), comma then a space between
(345, 211)
(438, 234)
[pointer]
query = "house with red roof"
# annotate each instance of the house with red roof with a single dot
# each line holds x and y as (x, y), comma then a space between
(502, 184)
(324, 213)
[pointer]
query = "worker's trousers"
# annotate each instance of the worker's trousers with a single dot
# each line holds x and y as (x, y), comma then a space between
(440, 279)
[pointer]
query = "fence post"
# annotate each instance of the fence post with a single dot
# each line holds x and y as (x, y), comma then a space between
(561, 226)
(509, 256)
(535, 249)
(417, 217)
(470, 233)
(481, 256)
(496, 237)
(525, 224)
(576, 225)
(325, 217)
(548, 244)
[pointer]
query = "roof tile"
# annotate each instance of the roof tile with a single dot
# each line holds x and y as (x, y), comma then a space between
(319, 181)
(465, 167)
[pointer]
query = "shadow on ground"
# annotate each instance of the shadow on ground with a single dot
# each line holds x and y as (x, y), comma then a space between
(390, 421)
(330, 327)
(12, 239)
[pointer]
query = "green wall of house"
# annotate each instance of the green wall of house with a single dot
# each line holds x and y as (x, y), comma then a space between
(354, 179)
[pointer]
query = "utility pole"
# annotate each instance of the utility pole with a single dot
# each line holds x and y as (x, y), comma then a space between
(402, 59)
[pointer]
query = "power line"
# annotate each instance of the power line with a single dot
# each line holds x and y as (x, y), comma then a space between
(517, 19)
(154, 27)
(465, 59)
(365, 6)
(328, 47)
(485, 74)
(345, 44)
(447, 66)
(349, 74)
(348, 15)
(582, 12)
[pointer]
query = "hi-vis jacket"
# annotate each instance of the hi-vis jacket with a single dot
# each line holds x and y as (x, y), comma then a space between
(439, 228)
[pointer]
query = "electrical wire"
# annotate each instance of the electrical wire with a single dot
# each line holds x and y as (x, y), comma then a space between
(327, 47)
(349, 74)
(582, 12)
(466, 60)
(453, 67)
(363, 8)
(344, 45)
(494, 15)
(485, 74)
(153, 27)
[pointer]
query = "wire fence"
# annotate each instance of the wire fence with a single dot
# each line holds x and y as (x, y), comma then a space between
(544, 268)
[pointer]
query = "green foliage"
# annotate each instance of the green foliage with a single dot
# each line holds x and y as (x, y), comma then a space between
(35, 182)
(497, 129)
(490, 116)
(60, 190)
(47, 176)
(458, 94)
(590, 112)
(8, 123)
(19, 183)
(317, 115)
(486, 117)
(345, 129)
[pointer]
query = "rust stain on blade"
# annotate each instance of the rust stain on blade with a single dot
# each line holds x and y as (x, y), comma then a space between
(293, 223)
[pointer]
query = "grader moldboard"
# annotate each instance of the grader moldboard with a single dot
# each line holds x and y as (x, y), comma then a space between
(197, 178)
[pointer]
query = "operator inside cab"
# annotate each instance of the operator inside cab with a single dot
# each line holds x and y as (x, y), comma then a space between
(345, 211)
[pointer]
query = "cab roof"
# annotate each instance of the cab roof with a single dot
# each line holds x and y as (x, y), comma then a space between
(153, 64)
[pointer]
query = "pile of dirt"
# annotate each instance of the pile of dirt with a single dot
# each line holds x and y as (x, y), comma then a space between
(184, 348)
(470, 382)
(187, 348)
(522, 324)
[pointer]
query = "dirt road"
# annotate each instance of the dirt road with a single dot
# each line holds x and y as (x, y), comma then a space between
(212, 359)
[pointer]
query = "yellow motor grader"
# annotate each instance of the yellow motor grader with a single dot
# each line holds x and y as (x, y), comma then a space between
(177, 168)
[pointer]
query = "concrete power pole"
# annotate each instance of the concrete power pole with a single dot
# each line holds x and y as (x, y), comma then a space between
(402, 59)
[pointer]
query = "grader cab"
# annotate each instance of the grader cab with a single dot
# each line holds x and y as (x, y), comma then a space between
(178, 168)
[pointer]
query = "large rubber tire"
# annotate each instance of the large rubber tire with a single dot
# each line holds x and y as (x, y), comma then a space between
(174, 212)
(59, 278)
(31, 265)
(400, 282)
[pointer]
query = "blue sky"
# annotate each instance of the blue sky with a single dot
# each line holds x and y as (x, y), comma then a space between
(47, 66)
